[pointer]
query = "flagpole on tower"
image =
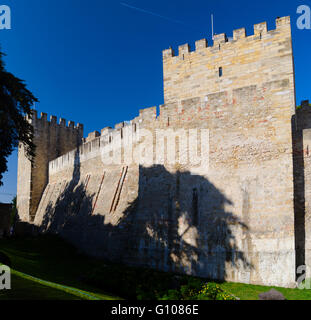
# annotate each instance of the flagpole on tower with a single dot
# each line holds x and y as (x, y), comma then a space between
(212, 18)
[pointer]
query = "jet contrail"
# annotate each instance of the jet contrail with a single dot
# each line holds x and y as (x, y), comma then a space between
(152, 13)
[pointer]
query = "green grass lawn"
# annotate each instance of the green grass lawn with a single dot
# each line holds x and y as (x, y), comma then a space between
(251, 292)
(53, 260)
(23, 289)
(60, 272)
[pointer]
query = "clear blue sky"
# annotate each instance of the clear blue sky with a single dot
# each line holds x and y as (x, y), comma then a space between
(99, 61)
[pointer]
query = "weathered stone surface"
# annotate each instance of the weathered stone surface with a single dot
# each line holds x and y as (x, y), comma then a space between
(52, 140)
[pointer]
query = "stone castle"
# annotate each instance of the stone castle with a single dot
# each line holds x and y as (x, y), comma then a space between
(215, 185)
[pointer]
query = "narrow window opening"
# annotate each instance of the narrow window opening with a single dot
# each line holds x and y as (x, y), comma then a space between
(220, 72)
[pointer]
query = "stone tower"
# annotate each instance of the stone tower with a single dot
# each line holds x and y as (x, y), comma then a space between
(52, 140)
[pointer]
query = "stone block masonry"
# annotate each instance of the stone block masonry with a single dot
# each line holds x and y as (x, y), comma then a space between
(205, 187)
(52, 139)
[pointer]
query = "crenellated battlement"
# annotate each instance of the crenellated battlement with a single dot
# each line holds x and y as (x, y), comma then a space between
(35, 119)
(148, 113)
(303, 115)
(229, 63)
(260, 30)
(52, 139)
(91, 136)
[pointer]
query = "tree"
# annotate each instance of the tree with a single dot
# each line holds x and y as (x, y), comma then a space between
(15, 105)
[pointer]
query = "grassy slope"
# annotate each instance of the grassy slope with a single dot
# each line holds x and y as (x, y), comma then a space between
(53, 260)
(23, 289)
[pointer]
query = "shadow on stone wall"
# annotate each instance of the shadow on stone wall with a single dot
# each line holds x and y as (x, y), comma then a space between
(177, 223)
(5, 219)
(299, 192)
(67, 215)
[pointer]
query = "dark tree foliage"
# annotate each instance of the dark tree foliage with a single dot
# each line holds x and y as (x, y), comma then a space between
(15, 104)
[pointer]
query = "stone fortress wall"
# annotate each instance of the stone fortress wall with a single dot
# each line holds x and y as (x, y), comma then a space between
(302, 184)
(206, 186)
(52, 139)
